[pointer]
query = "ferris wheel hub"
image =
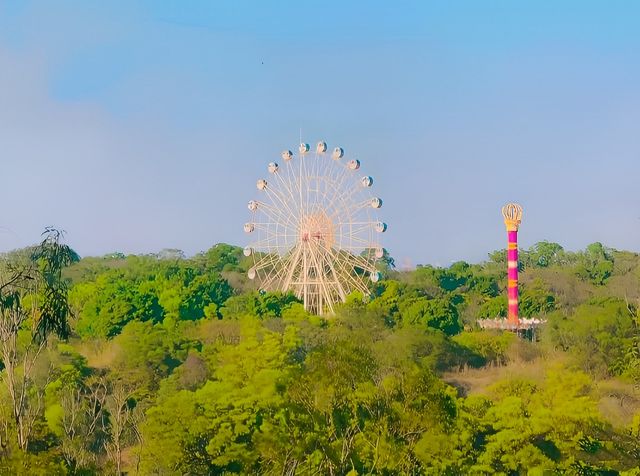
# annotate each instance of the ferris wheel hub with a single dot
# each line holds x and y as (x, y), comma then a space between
(317, 226)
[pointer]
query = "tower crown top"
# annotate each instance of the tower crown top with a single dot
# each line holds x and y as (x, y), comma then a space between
(512, 213)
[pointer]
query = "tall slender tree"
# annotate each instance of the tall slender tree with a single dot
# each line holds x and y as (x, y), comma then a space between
(33, 306)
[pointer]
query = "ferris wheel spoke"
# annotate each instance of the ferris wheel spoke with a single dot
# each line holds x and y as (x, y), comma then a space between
(284, 176)
(290, 262)
(350, 261)
(334, 201)
(341, 209)
(356, 240)
(343, 204)
(339, 171)
(338, 201)
(339, 181)
(285, 199)
(347, 269)
(332, 262)
(275, 195)
(271, 282)
(356, 250)
(355, 190)
(356, 235)
(272, 247)
(303, 185)
(294, 186)
(363, 205)
(368, 234)
(348, 275)
(289, 188)
(331, 198)
(361, 263)
(353, 231)
(273, 238)
(265, 261)
(310, 181)
(358, 284)
(264, 227)
(320, 275)
(359, 223)
(276, 215)
(337, 279)
(292, 267)
(270, 264)
(270, 240)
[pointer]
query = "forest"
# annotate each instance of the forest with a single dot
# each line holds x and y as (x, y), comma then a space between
(163, 364)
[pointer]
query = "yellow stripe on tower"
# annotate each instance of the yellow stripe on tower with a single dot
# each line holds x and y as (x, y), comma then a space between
(513, 301)
(512, 283)
(512, 246)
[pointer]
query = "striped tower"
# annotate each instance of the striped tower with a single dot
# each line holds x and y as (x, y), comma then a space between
(512, 213)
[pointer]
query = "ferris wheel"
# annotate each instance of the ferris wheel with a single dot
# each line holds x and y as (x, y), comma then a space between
(314, 228)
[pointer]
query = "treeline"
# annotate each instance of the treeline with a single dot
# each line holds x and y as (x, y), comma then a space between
(166, 365)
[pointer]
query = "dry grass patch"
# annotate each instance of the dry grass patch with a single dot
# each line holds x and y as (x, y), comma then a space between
(618, 401)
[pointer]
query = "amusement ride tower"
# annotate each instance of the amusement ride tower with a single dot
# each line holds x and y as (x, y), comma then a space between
(512, 213)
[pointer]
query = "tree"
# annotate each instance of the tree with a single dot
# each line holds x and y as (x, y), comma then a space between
(124, 417)
(224, 257)
(595, 264)
(545, 253)
(171, 254)
(456, 276)
(33, 306)
(75, 410)
(438, 313)
(541, 426)
(210, 430)
(536, 300)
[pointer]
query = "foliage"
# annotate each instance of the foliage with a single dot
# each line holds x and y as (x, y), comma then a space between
(165, 364)
(148, 289)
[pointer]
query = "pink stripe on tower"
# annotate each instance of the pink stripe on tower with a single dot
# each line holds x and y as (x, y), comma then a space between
(512, 214)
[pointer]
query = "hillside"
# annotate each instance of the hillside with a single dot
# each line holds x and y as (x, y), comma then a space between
(172, 365)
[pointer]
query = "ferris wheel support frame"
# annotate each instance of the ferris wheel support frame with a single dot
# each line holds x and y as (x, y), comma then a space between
(316, 229)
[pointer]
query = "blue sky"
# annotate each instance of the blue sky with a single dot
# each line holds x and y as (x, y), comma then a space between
(137, 126)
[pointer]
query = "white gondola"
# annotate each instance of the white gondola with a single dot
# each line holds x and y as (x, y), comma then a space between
(366, 181)
(381, 227)
(247, 251)
(321, 148)
(252, 205)
(249, 227)
(338, 152)
(304, 148)
(375, 276)
(273, 167)
(354, 164)
(261, 184)
(252, 273)
(287, 155)
(376, 202)
(379, 253)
